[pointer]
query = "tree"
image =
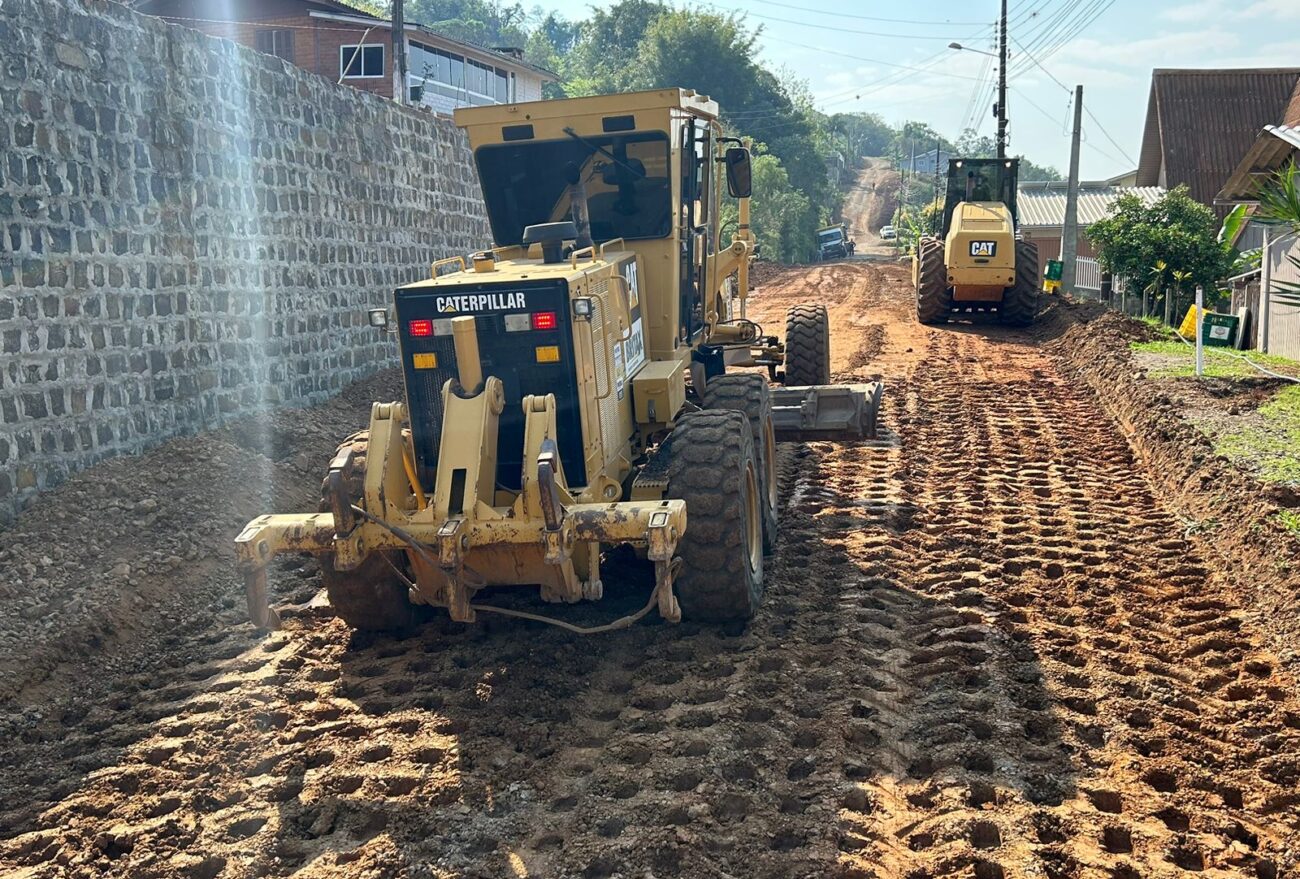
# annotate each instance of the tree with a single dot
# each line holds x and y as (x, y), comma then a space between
(486, 22)
(863, 134)
(1175, 230)
(607, 46)
(778, 212)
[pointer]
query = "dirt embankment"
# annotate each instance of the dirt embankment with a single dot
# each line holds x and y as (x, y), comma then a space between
(1235, 514)
(137, 552)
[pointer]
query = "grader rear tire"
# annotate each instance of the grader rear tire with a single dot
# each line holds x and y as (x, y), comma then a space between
(749, 395)
(807, 346)
(933, 295)
(1020, 303)
(711, 466)
(370, 597)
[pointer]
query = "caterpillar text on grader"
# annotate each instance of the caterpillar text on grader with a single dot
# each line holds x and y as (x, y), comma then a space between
(978, 261)
(567, 390)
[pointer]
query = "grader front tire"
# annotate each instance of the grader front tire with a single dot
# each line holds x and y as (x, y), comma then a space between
(371, 597)
(749, 395)
(807, 346)
(712, 466)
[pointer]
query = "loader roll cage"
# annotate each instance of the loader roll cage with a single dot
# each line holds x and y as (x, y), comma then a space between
(986, 180)
(629, 192)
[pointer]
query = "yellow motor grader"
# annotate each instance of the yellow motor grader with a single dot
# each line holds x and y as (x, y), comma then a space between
(567, 390)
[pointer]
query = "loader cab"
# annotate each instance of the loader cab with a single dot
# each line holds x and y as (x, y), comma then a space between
(987, 181)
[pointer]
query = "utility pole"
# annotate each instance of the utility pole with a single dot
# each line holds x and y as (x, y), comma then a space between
(1070, 233)
(400, 79)
(1002, 84)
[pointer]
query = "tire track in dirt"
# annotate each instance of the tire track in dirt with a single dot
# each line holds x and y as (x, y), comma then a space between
(987, 650)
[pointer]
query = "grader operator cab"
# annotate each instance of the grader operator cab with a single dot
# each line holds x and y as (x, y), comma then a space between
(566, 390)
(978, 261)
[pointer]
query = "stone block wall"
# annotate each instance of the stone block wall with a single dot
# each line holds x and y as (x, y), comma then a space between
(190, 230)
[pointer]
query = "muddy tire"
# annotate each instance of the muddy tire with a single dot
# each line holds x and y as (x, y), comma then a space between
(933, 295)
(807, 346)
(1020, 303)
(749, 395)
(370, 597)
(711, 466)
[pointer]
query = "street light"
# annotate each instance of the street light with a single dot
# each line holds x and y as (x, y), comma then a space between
(959, 47)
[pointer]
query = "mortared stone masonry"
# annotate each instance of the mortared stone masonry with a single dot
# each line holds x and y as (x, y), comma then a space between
(191, 230)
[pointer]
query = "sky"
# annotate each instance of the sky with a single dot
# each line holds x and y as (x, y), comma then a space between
(854, 56)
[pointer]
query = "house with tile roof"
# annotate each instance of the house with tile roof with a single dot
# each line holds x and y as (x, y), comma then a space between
(1200, 123)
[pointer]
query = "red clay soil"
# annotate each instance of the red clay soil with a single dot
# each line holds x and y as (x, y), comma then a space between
(990, 647)
(1237, 513)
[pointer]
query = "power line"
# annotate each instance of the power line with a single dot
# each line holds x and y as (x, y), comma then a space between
(824, 27)
(838, 14)
(1040, 67)
(1122, 151)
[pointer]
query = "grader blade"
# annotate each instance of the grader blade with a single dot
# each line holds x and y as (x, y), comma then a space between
(826, 412)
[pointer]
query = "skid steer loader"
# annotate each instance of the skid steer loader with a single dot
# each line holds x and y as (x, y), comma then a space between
(567, 390)
(978, 262)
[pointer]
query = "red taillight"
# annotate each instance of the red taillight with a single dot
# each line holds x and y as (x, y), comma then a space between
(544, 320)
(421, 328)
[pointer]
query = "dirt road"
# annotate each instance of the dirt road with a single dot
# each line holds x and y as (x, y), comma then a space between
(870, 204)
(987, 649)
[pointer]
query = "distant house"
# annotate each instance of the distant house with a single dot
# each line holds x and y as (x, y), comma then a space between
(1041, 206)
(351, 46)
(1201, 122)
(928, 161)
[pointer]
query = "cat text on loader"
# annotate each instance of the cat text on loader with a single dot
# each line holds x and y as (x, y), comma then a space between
(566, 390)
(978, 261)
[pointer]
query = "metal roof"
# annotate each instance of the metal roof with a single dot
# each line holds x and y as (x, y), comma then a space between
(1201, 122)
(1042, 205)
(1275, 144)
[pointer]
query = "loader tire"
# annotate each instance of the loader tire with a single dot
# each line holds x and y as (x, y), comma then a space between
(807, 346)
(711, 466)
(1020, 303)
(933, 295)
(370, 597)
(748, 394)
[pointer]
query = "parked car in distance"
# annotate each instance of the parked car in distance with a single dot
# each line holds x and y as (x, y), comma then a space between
(888, 233)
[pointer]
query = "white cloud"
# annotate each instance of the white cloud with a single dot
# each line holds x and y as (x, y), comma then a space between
(1178, 49)
(1200, 11)
(1272, 9)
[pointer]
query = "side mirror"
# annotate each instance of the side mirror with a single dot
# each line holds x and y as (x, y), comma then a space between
(739, 179)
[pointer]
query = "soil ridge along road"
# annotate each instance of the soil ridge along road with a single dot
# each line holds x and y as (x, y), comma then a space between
(989, 648)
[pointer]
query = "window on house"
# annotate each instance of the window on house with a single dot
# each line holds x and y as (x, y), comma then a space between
(427, 65)
(358, 62)
(275, 41)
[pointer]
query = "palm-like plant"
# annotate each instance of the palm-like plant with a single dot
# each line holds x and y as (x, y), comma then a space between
(1279, 204)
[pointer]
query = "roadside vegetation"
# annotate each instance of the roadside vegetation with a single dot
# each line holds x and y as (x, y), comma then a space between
(1173, 358)
(1252, 419)
(1164, 251)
